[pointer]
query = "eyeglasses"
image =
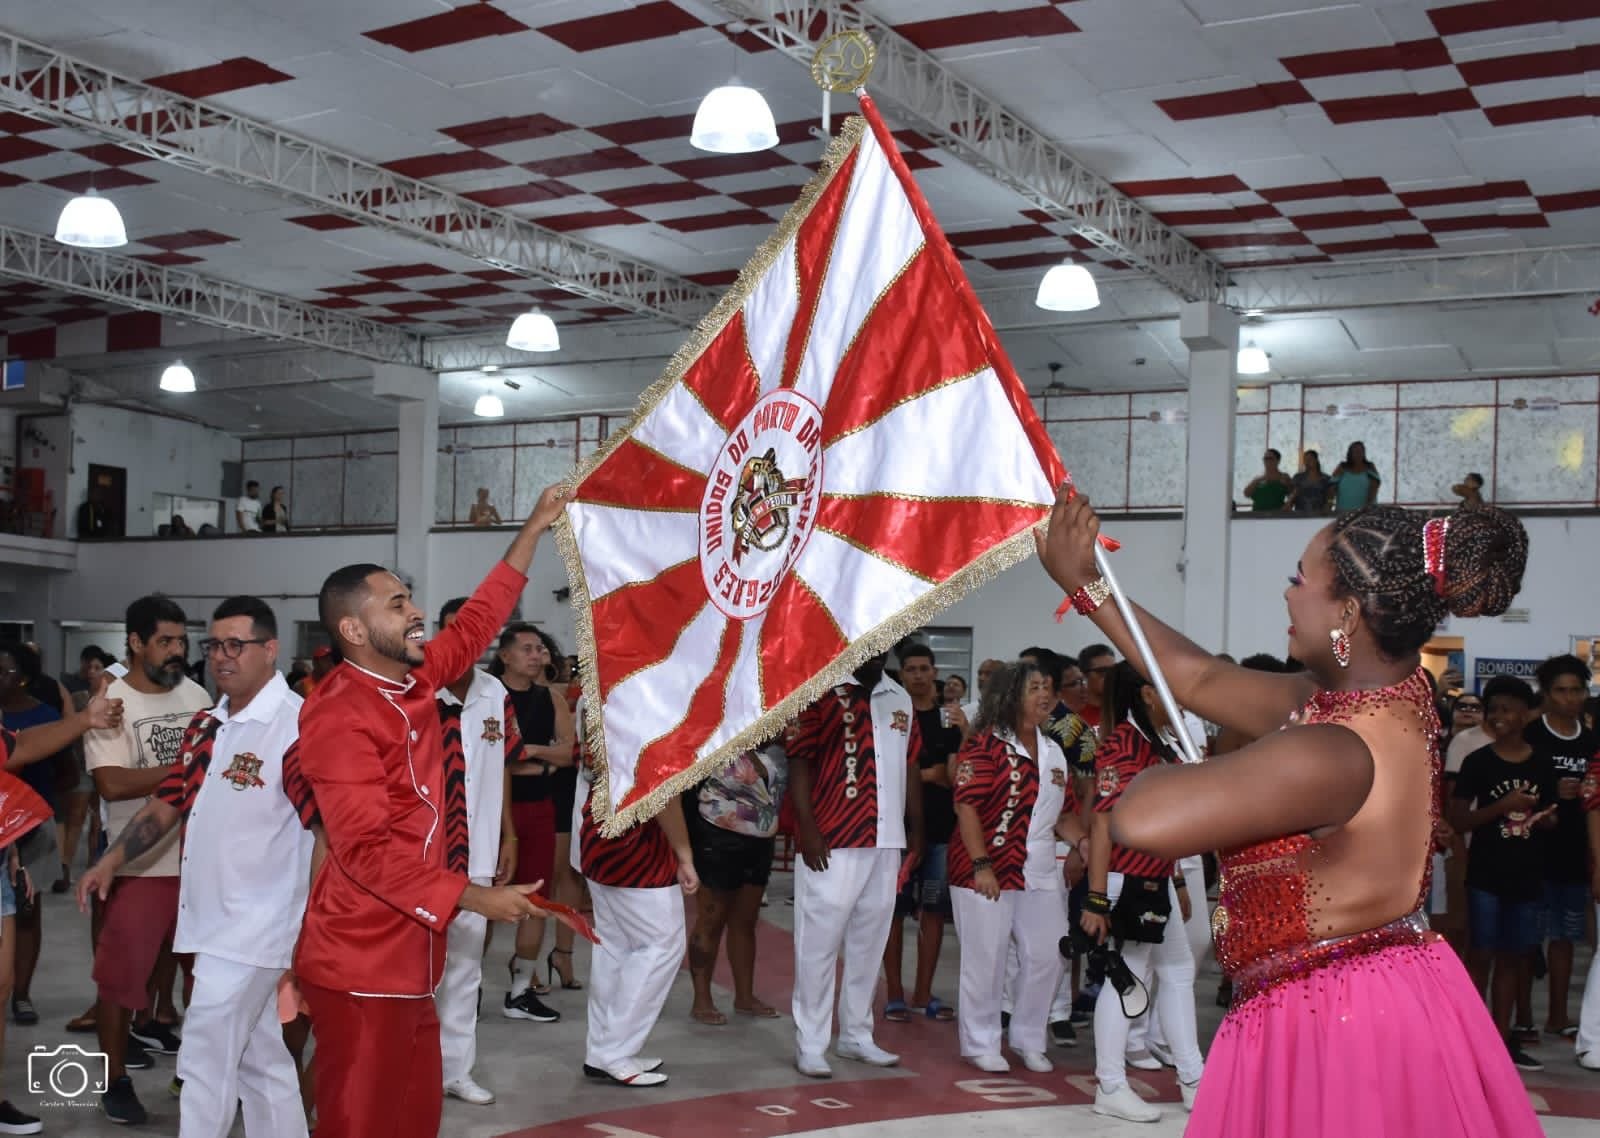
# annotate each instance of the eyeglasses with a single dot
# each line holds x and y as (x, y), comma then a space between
(1080, 682)
(1099, 671)
(1469, 707)
(229, 648)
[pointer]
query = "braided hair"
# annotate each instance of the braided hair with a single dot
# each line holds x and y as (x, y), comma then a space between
(1378, 559)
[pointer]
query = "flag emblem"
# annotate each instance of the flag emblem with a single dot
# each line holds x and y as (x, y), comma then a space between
(755, 521)
(760, 527)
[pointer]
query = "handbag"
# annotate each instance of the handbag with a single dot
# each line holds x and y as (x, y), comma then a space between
(1142, 910)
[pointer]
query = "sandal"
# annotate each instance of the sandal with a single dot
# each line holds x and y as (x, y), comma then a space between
(938, 1010)
(895, 1011)
(759, 1011)
(83, 1024)
(712, 1018)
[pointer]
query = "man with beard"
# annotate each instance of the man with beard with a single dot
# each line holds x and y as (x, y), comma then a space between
(128, 764)
(371, 754)
(849, 756)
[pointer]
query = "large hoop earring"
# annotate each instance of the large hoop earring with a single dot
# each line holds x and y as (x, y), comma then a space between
(1341, 646)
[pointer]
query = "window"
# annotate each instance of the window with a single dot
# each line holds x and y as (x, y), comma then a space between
(952, 650)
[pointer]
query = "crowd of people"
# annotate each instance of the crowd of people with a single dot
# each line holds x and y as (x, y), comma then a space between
(274, 859)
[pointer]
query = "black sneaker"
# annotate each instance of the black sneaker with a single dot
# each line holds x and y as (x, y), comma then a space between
(528, 1006)
(157, 1036)
(1005, 1021)
(13, 1121)
(22, 1010)
(1521, 1060)
(1064, 1033)
(136, 1057)
(122, 1105)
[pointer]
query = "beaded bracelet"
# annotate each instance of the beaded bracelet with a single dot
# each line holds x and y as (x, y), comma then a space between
(1097, 903)
(1087, 599)
(981, 863)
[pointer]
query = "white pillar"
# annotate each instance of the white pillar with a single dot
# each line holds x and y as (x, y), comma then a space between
(1211, 333)
(417, 393)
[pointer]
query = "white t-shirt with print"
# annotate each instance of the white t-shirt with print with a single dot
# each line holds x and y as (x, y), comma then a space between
(151, 736)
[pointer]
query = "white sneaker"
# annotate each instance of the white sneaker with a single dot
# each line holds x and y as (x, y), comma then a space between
(1590, 1060)
(648, 1066)
(869, 1053)
(627, 1073)
(1161, 1053)
(992, 1064)
(1189, 1091)
(467, 1090)
(1143, 1061)
(813, 1066)
(1036, 1061)
(1124, 1104)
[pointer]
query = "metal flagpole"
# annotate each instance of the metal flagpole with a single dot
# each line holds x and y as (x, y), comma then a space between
(1152, 665)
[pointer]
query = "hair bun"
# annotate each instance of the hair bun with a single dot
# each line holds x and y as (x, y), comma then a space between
(1485, 554)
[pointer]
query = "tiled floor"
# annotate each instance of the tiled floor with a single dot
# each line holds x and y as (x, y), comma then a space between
(732, 1080)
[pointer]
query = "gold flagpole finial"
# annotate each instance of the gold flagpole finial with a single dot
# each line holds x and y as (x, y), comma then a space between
(843, 61)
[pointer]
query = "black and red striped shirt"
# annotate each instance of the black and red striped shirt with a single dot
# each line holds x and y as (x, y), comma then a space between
(835, 736)
(641, 859)
(457, 839)
(298, 787)
(1122, 754)
(186, 776)
(1002, 784)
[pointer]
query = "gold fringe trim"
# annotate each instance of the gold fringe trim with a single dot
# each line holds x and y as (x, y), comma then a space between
(1008, 553)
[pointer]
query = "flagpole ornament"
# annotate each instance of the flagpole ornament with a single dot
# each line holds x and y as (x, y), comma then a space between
(759, 528)
(841, 64)
(843, 61)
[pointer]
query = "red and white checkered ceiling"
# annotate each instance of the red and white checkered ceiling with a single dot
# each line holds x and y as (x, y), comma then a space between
(1266, 132)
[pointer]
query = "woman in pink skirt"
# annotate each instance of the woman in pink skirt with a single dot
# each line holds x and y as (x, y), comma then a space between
(1349, 1016)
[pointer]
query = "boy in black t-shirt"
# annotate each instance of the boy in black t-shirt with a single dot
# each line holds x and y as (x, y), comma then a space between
(1505, 795)
(1560, 733)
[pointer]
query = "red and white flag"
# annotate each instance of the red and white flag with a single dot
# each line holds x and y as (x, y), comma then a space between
(840, 451)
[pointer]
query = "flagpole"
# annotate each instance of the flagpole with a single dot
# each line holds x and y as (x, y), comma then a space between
(1152, 665)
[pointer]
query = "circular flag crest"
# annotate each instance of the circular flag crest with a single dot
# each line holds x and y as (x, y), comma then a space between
(760, 502)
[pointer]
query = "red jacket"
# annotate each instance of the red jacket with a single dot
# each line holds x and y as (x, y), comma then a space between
(372, 755)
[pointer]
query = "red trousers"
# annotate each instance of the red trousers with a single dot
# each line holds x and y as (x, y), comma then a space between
(378, 1068)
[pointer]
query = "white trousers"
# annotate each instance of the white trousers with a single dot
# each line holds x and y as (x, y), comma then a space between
(844, 910)
(1061, 1005)
(1198, 930)
(1589, 1016)
(457, 996)
(233, 1056)
(640, 951)
(1172, 964)
(1033, 922)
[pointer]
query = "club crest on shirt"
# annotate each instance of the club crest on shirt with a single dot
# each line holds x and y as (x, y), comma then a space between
(901, 722)
(491, 730)
(1108, 782)
(964, 772)
(1058, 777)
(244, 772)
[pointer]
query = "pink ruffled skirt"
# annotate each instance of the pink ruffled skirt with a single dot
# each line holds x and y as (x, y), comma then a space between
(1390, 1044)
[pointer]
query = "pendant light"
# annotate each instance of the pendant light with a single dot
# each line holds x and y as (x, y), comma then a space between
(1253, 361)
(177, 379)
(534, 332)
(489, 406)
(91, 222)
(734, 119)
(1068, 288)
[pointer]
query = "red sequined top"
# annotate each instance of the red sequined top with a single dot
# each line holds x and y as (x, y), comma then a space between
(1279, 898)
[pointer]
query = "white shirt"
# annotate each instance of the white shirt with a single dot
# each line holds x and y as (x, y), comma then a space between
(483, 739)
(249, 510)
(246, 857)
(1041, 870)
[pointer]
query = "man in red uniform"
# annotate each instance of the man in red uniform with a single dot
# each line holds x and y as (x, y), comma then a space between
(372, 949)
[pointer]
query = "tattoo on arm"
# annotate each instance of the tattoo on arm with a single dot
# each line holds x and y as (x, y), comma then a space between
(141, 836)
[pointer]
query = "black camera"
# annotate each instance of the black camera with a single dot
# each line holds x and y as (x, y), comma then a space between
(1104, 964)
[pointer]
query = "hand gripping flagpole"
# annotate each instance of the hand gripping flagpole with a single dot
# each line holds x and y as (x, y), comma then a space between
(1152, 665)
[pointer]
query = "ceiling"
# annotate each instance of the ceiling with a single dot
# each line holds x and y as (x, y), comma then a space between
(1333, 133)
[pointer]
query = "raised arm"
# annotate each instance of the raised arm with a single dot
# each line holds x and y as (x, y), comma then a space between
(1254, 702)
(1292, 782)
(38, 743)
